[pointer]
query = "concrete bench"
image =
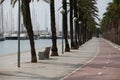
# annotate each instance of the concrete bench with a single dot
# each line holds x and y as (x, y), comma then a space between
(44, 54)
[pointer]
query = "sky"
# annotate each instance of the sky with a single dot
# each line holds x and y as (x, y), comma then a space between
(40, 14)
(102, 4)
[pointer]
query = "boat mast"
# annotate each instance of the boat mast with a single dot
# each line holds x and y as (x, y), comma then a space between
(33, 16)
(12, 20)
(2, 28)
(46, 20)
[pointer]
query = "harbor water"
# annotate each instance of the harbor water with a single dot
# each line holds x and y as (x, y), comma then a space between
(11, 46)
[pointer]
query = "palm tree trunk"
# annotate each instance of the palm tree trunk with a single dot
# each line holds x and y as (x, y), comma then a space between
(84, 29)
(65, 27)
(118, 31)
(71, 23)
(28, 24)
(76, 25)
(53, 29)
(79, 28)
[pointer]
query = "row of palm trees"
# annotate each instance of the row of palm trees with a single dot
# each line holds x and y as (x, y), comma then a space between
(110, 25)
(82, 23)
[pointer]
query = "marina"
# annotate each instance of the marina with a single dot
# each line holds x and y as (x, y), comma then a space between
(59, 39)
(9, 28)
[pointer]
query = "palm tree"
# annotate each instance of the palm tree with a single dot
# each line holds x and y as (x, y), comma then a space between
(28, 25)
(65, 26)
(71, 23)
(76, 45)
(87, 12)
(110, 22)
(53, 29)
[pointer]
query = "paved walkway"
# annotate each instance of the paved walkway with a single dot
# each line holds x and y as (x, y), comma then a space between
(105, 66)
(53, 69)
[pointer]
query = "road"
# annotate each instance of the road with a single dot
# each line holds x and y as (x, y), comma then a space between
(105, 66)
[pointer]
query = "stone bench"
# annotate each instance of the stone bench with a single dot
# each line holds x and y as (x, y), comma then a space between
(44, 54)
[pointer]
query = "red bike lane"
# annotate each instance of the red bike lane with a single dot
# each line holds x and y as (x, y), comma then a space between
(105, 66)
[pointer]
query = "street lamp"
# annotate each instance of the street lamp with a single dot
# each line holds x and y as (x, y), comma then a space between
(80, 22)
(62, 12)
(74, 18)
(79, 33)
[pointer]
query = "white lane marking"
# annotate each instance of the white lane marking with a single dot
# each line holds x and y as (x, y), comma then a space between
(104, 67)
(83, 64)
(99, 73)
(116, 46)
(107, 62)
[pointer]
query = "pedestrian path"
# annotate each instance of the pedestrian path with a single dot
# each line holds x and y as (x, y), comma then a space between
(54, 68)
(105, 66)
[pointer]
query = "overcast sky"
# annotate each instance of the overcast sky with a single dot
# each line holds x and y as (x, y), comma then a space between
(102, 4)
(40, 13)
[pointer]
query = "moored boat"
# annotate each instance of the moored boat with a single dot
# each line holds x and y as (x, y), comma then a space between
(15, 37)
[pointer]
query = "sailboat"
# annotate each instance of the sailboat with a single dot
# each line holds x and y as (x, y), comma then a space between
(2, 25)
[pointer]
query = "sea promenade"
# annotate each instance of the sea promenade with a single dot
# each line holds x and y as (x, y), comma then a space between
(53, 69)
(87, 63)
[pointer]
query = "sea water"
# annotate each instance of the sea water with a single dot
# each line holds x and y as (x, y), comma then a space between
(11, 46)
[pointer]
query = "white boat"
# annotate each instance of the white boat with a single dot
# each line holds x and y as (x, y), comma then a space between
(15, 37)
(43, 36)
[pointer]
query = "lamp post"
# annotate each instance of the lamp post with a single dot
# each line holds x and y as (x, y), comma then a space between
(79, 32)
(74, 31)
(80, 22)
(19, 33)
(62, 12)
